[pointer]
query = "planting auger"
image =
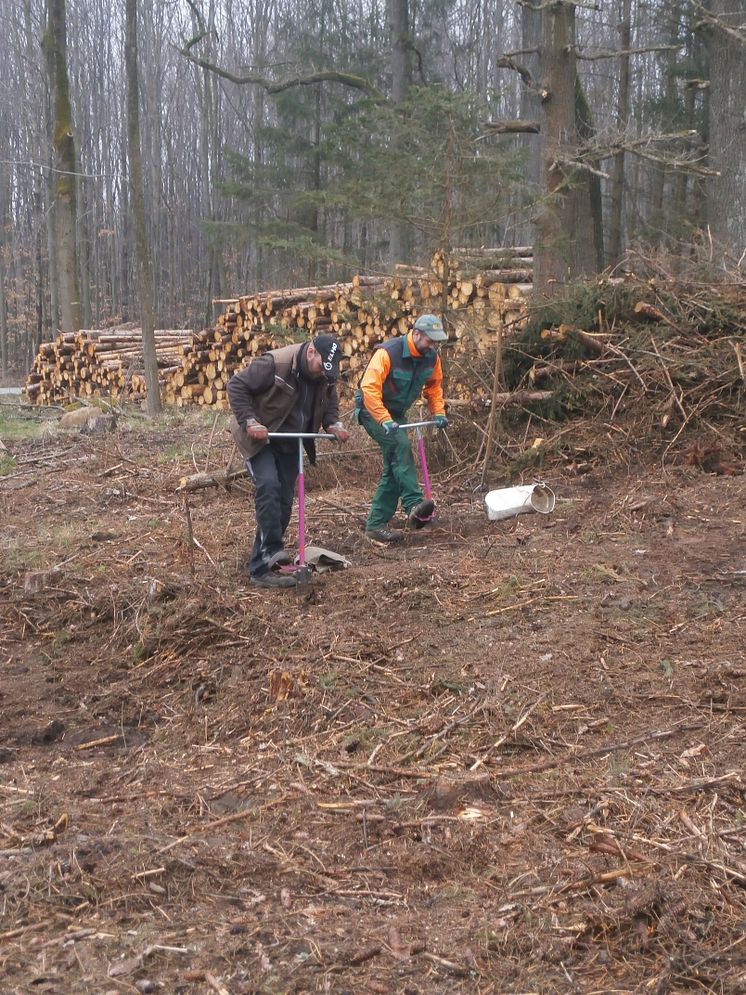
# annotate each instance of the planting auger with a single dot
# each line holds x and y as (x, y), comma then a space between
(418, 426)
(301, 571)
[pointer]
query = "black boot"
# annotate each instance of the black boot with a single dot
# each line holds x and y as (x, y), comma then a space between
(384, 537)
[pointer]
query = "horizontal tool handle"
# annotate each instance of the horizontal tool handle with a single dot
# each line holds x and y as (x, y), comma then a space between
(418, 424)
(301, 435)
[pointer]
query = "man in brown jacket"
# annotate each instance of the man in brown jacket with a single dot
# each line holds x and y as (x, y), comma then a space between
(291, 389)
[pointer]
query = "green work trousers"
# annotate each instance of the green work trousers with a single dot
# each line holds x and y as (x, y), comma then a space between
(399, 477)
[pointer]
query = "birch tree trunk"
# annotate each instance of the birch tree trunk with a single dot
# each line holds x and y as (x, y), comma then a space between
(63, 143)
(150, 362)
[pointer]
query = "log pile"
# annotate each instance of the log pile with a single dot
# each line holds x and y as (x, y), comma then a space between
(196, 367)
(361, 314)
(100, 362)
(515, 265)
(357, 312)
(487, 289)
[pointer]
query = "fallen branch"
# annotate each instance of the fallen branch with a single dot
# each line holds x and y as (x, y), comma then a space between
(513, 729)
(695, 858)
(597, 345)
(587, 754)
(448, 965)
(196, 481)
(367, 953)
(104, 741)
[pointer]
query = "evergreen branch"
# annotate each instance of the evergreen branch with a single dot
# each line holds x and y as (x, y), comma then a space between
(274, 86)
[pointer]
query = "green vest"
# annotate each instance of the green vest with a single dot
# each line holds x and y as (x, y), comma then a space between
(407, 376)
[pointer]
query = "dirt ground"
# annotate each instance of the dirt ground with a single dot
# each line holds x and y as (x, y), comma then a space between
(505, 757)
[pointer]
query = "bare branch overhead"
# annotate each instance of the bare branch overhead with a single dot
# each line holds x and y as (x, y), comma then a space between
(557, 3)
(506, 62)
(592, 56)
(641, 147)
(737, 33)
(279, 86)
(513, 127)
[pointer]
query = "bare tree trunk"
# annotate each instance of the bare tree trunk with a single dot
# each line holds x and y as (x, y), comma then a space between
(530, 110)
(84, 251)
(314, 268)
(727, 192)
(207, 99)
(565, 246)
(14, 252)
(54, 308)
(124, 238)
(54, 297)
(401, 80)
(38, 203)
(622, 112)
(586, 134)
(55, 43)
(4, 219)
(156, 161)
(150, 362)
(684, 218)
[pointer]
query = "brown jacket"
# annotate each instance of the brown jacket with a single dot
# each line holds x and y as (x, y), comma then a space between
(267, 390)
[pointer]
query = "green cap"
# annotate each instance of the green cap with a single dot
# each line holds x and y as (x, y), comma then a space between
(431, 326)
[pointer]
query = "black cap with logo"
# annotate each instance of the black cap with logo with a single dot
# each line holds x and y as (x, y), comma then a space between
(330, 351)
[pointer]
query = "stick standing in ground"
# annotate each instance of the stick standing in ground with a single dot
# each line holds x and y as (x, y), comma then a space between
(399, 372)
(292, 389)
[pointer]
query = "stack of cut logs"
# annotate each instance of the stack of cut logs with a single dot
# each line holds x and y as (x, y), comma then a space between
(487, 284)
(479, 290)
(361, 314)
(93, 362)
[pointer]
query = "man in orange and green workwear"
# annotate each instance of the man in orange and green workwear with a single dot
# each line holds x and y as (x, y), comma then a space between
(399, 372)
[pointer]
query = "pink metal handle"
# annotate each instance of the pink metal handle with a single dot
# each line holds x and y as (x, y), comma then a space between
(423, 464)
(301, 508)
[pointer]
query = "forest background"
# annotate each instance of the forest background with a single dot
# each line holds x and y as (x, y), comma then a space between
(294, 142)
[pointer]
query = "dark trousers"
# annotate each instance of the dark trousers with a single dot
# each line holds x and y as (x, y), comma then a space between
(274, 472)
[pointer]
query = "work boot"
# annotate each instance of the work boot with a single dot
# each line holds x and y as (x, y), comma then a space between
(384, 537)
(421, 515)
(272, 579)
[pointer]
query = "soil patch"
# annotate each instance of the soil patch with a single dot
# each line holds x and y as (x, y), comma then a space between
(505, 757)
